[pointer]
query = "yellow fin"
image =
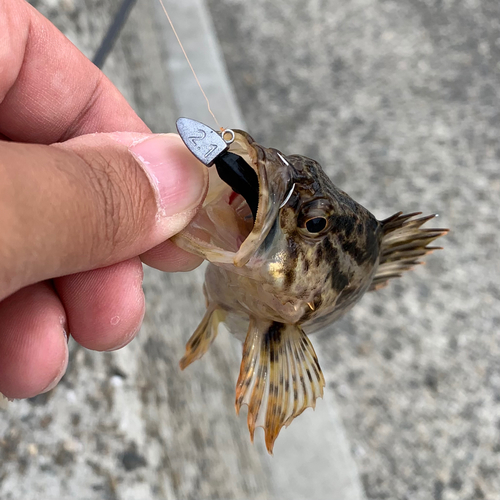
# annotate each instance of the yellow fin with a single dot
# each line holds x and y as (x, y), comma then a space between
(279, 377)
(203, 336)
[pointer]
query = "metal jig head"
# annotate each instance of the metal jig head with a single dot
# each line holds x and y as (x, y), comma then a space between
(210, 147)
(205, 143)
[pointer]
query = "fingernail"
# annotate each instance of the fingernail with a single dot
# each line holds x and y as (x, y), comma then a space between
(180, 179)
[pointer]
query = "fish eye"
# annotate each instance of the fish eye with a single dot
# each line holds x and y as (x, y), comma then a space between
(313, 217)
(316, 224)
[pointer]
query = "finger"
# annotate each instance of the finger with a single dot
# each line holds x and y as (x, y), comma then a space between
(105, 307)
(91, 202)
(33, 345)
(168, 257)
(49, 91)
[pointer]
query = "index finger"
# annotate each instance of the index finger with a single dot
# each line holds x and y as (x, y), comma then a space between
(49, 91)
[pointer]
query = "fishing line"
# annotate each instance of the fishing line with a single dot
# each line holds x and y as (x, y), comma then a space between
(190, 65)
(114, 30)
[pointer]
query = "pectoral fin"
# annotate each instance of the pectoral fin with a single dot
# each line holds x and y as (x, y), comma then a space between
(279, 377)
(203, 336)
(404, 243)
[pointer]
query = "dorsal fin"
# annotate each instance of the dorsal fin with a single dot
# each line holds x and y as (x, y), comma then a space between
(279, 377)
(403, 244)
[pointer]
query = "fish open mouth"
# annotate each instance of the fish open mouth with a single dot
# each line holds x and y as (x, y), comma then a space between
(246, 189)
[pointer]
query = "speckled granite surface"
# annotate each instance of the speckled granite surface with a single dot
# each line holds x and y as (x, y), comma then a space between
(399, 100)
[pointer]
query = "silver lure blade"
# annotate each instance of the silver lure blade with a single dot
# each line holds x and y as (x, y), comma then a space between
(205, 143)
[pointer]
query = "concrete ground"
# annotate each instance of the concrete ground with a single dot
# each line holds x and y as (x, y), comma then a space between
(399, 101)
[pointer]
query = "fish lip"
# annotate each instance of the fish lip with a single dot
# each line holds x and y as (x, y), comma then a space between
(275, 180)
(219, 232)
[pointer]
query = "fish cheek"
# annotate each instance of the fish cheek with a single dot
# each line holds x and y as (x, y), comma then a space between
(305, 265)
(288, 220)
(318, 256)
(339, 277)
(292, 261)
(289, 277)
(288, 224)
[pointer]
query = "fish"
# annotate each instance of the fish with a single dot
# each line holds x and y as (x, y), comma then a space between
(288, 254)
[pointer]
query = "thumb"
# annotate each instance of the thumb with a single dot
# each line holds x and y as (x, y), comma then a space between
(91, 202)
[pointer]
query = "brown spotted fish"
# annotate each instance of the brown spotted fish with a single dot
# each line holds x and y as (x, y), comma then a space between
(289, 253)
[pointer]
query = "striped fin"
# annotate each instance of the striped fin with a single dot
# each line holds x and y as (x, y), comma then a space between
(279, 377)
(203, 336)
(403, 244)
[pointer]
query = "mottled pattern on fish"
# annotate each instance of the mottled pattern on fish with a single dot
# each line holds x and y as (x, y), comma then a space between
(332, 270)
(308, 257)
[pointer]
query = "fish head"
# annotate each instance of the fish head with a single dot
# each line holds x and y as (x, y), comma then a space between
(309, 252)
(323, 248)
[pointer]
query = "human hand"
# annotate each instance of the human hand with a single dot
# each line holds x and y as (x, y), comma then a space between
(76, 215)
